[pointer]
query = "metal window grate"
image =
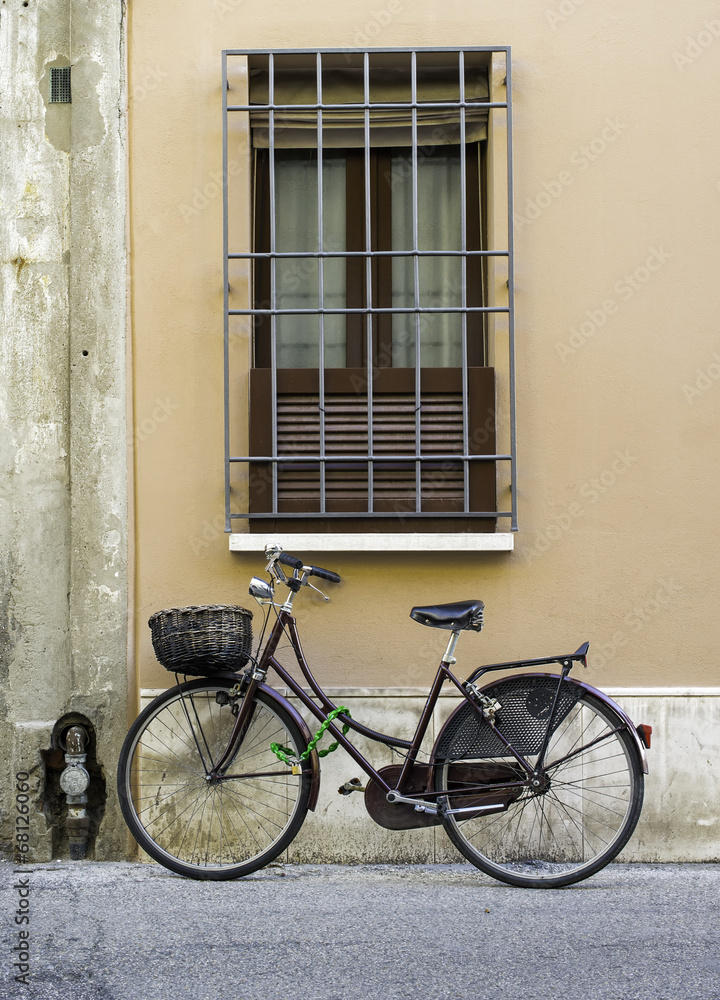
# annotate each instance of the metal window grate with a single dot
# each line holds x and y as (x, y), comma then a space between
(327, 483)
(60, 85)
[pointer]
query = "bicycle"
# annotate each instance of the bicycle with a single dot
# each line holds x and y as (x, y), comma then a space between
(536, 777)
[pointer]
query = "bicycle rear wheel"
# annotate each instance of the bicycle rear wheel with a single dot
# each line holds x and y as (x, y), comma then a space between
(211, 830)
(581, 817)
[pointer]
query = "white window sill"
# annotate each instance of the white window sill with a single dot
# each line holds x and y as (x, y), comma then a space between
(501, 541)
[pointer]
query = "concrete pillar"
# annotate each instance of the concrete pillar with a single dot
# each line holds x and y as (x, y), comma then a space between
(63, 464)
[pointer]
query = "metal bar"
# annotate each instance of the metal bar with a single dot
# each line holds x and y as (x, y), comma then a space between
(463, 280)
(322, 711)
(302, 254)
(288, 459)
(332, 729)
(511, 296)
(273, 276)
(344, 51)
(226, 297)
(372, 310)
(416, 284)
(368, 286)
(394, 106)
(421, 729)
(321, 276)
(540, 759)
(378, 514)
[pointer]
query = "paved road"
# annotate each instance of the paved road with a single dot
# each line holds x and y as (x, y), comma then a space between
(388, 932)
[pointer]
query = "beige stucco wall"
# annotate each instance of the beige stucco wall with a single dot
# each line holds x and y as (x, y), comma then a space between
(617, 209)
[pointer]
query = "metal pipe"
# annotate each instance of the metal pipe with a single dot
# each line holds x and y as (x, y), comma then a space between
(321, 280)
(226, 297)
(75, 781)
(369, 360)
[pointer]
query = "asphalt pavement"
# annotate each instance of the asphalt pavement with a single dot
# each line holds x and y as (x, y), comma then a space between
(105, 931)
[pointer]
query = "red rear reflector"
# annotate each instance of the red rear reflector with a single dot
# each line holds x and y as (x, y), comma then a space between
(645, 734)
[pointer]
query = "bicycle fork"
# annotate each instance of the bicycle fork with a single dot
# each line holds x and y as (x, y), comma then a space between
(242, 723)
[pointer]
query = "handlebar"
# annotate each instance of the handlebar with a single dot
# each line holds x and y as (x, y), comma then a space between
(294, 563)
(287, 560)
(324, 574)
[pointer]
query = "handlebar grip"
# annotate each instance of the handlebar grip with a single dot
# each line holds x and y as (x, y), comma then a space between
(288, 560)
(324, 574)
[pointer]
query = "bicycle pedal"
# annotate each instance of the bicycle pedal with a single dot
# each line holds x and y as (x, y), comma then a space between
(354, 785)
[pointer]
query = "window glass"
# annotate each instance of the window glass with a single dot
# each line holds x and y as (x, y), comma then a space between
(297, 279)
(439, 278)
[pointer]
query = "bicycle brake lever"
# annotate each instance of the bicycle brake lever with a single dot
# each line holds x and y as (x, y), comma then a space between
(324, 596)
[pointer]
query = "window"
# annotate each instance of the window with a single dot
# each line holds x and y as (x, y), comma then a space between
(373, 316)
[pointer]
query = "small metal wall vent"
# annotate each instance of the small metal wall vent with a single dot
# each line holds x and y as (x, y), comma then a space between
(60, 85)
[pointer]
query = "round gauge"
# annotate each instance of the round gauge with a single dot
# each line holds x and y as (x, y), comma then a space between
(74, 780)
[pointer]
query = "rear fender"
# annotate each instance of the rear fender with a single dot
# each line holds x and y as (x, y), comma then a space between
(632, 729)
(623, 715)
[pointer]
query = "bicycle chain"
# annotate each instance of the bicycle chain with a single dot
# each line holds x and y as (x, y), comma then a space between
(286, 755)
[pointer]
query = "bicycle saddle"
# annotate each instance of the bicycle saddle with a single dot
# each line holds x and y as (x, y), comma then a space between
(459, 616)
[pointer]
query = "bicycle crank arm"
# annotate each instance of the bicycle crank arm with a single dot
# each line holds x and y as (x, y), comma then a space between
(421, 807)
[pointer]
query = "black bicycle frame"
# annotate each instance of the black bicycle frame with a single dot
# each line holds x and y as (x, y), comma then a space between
(286, 624)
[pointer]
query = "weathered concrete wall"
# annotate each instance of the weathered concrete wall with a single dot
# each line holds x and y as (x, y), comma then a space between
(63, 478)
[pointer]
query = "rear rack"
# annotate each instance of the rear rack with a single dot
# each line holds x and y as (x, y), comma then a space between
(564, 661)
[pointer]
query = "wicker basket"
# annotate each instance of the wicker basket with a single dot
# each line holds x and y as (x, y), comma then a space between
(202, 640)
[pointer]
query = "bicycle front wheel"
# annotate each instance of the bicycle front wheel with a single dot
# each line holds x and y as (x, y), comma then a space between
(201, 829)
(585, 810)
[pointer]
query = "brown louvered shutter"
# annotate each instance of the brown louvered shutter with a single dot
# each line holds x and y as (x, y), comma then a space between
(347, 445)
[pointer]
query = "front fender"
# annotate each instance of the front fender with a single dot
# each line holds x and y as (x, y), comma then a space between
(307, 736)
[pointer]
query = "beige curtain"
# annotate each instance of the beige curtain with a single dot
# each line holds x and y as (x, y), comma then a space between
(345, 128)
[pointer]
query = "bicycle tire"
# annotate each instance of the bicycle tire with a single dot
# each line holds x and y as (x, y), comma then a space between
(569, 830)
(211, 831)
